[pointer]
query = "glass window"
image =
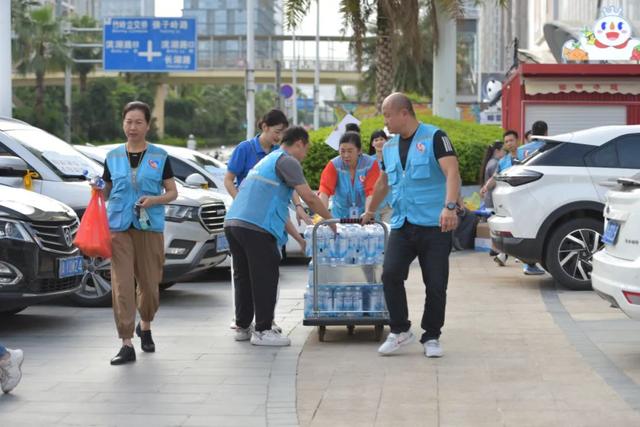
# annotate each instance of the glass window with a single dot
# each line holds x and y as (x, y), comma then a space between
(64, 160)
(182, 170)
(603, 157)
(629, 151)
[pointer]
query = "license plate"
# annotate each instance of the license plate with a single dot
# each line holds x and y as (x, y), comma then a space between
(222, 245)
(68, 267)
(611, 233)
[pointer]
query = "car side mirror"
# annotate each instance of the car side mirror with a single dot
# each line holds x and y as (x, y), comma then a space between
(196, 180)
(11, 166)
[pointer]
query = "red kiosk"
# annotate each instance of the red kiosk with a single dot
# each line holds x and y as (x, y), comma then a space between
(571, 97)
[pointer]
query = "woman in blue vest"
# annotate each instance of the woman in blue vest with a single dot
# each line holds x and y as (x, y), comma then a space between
(421, 172)
(255, 229)
(348, 178)
(376, 143)
(138, 183)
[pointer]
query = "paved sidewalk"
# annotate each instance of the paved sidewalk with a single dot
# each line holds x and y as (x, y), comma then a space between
(198, 376)
(513, 356)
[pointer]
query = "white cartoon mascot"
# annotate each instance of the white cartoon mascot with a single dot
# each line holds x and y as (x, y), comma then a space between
(609, 40)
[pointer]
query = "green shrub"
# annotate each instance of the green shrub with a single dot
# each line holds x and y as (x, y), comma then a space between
(469, 139)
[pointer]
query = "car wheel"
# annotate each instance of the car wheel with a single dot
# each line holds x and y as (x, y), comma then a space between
(570, 252)
(167, 285)
(95, 289)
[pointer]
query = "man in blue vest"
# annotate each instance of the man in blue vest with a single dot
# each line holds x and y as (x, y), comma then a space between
(538, 128)
(421, 171)
(255, 229)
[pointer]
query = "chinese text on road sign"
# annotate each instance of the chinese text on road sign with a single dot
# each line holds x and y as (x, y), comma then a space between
(150, 44)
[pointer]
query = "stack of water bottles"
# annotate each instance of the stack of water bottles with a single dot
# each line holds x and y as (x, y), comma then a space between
(353, 244)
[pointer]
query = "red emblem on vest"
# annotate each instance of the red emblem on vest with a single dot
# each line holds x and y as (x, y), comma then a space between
(153, 164)
(420, 147)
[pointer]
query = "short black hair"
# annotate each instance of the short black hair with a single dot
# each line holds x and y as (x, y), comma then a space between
(352, 127)
(274, 118)
(377, 134)
(351, 138)
(527, 133)
(539, 128)
(510, 132)
(137, 105)
(294, 134)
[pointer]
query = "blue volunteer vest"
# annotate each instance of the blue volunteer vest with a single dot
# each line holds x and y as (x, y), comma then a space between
(505, 163)
(387, 199)
(124, 195)
(418, 192)
(263, 198)
(348, 193)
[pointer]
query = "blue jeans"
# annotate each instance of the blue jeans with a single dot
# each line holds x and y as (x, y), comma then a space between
(3, 351)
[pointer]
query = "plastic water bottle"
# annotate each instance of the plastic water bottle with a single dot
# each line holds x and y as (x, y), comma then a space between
(308, 233)
(338, 300)
(94, 180)
(342, 246)
(325, 302)
(361, 239)
(357, 300)
(308, 305)
(323, 246)
(380, 244)
(310, 274)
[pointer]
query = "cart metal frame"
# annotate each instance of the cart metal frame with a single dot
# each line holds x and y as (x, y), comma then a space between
(350, 322)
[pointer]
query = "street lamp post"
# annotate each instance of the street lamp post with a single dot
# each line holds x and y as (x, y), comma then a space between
(251, 79)
(5, 58)
(316, 76)
(294, 80)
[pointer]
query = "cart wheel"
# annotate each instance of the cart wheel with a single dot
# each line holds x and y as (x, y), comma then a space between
(350, 329)
(379, 329)
(321, 332)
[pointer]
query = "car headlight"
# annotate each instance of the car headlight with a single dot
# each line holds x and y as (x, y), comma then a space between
(180, 213)
(14, 230)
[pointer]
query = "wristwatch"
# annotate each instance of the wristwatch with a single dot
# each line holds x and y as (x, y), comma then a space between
(451, 206)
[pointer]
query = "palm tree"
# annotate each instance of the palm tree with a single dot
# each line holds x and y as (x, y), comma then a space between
(395, 20)
(39, 46)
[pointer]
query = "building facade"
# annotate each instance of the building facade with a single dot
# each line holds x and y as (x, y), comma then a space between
(224, 22)
(100, 9)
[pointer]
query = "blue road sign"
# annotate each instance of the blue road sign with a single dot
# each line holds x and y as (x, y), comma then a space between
(150, 44)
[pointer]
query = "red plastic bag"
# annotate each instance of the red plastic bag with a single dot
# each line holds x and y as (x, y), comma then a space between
(93, 237)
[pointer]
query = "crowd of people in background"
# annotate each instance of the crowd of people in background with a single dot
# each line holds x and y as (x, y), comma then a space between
(499, 157)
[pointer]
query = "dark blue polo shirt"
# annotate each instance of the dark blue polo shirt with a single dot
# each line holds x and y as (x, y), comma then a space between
(244, 157)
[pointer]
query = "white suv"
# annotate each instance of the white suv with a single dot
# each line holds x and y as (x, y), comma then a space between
(616, 269)
(549, 208)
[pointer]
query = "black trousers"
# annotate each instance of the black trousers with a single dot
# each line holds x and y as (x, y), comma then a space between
(256, 261)
(432, 247)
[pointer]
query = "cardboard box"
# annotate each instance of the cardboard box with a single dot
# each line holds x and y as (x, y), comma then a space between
(482, 231)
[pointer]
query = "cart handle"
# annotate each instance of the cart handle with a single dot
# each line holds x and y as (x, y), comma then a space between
(314, 247)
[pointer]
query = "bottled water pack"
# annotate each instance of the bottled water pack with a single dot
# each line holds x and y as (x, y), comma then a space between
(356, 300)
(353, 244)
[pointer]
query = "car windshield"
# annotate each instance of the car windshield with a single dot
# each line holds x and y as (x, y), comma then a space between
(64, 160)
(206, 163)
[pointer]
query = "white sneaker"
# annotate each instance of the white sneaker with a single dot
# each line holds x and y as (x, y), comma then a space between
(243, 334)
(501, 259)
(269, 338)
(396, 341)
(432, 349)
(11, 370)
(275, 327)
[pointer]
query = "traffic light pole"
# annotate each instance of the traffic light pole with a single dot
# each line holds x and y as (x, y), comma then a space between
(251, 79)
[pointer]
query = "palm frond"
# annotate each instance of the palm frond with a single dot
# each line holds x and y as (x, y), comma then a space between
(295, 11)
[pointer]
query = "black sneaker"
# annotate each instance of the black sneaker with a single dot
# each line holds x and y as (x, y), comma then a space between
(148, 345)
(125, 355)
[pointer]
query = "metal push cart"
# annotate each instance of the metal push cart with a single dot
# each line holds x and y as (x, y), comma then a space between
(357, 277)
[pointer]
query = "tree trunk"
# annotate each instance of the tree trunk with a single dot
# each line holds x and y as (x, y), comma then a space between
(39, 107)
(444, 67)
(384, 58)
(83, 82)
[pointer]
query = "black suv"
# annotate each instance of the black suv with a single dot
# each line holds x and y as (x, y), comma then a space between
(38, 261)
